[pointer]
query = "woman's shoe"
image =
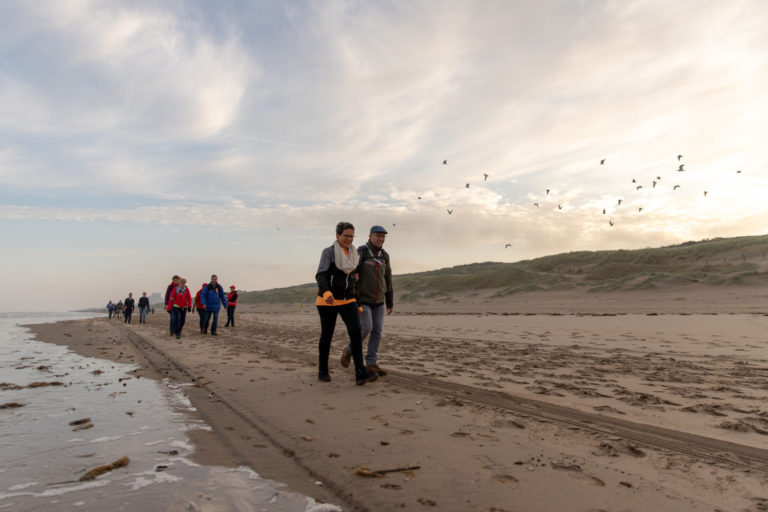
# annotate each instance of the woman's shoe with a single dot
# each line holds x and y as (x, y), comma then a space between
(365, 376)
(323, 377)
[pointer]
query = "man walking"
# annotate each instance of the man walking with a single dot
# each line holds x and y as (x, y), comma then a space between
(231, 305)
(110, 309)
(143, 308)
(374, 291)
(128, 308)
(174, 284)
(212, 298)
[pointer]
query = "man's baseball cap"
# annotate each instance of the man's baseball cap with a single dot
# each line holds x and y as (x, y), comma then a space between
(378, 229)
(232, 286)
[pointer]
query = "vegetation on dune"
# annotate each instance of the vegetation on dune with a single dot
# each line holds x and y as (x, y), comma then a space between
(716, 262)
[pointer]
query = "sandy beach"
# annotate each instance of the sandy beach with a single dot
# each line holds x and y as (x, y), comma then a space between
(629, 401)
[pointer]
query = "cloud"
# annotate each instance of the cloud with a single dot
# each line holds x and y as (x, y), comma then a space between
(134, 70)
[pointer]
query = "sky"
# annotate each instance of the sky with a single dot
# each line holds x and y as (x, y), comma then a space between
(144, 139)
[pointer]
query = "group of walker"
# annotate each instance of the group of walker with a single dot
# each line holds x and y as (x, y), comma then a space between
(208, 302)
(355, 284)
(126, 307)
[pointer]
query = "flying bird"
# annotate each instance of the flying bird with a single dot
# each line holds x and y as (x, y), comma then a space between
(640, 209)
(445, 162)
(419, 197)
(679, 157)
(634, 180)
(610, 222)
(507, 246)
(485, 176)
(738, 172)
(393, 224)
(654, 184)
(705, 193)
(676, 187)
(638, 187)
(603, 211)
(658, 178)
(620, 200)
(602, 161)
(536, 205)
(547, 191)
(467, 185)
(680, 169)
(449, 211)
(559, 207)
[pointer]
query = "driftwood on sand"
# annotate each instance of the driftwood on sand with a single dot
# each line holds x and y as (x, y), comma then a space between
(119, 463)
(363, 471)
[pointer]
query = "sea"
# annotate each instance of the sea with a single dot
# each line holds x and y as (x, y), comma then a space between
(90, 412)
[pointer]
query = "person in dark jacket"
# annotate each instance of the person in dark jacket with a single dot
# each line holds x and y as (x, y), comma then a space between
(179, 303)
(336, 296)
(231, 305)
(374, 292)
(110, 309)
(212, 298)
(201, 309)
(174, 284)
(143, 308)
(128, 308)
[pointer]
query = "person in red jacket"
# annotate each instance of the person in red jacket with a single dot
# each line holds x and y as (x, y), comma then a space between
(174, 284)
(200, 308)
(179, 303)
(231, 305)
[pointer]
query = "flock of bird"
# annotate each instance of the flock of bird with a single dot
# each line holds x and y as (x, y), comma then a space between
(654, 183)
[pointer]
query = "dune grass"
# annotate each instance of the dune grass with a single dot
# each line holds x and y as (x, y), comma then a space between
(716, 262)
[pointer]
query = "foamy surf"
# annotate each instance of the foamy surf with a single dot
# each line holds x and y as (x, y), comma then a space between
(136, 418)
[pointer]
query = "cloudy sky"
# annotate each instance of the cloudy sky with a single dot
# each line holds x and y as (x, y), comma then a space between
(142, 139)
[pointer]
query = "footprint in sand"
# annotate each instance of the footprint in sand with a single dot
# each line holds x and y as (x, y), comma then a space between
(616, 448)
(505, 479)
(576, 471)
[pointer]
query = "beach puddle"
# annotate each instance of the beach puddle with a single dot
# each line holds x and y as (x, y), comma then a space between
(97, 416)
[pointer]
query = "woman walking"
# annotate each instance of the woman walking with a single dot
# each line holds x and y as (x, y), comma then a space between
(336, 296)
(179, 303)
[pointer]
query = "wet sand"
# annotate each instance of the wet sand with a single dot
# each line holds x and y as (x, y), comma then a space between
(513, 408)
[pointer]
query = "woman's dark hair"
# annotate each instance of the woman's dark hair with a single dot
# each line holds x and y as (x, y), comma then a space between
(341, 226)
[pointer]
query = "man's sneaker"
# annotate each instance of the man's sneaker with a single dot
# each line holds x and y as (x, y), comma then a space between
(178, 336)
(346, 357)
(374, 368)
(323, 377)
(363, 377)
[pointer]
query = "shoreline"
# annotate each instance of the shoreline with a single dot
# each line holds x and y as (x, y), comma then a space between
(258, 392)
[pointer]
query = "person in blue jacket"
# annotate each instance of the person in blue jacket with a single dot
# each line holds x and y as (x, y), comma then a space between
(212, 298)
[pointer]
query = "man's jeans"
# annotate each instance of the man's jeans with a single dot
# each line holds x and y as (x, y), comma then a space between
(143, 315)
(371, 322)
(215, 315)
(203, 325)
